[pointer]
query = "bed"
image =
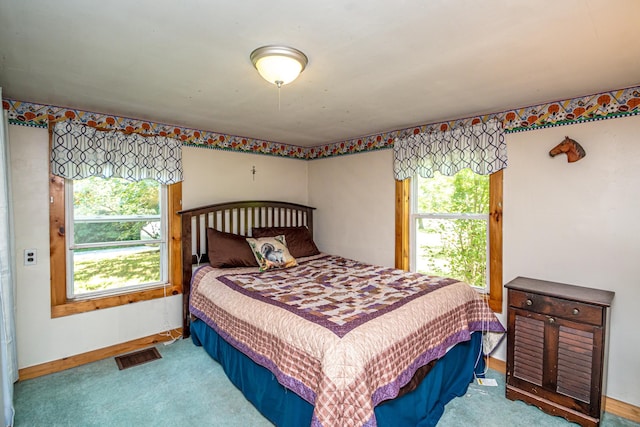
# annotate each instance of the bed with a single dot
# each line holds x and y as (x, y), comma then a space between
(317, 339)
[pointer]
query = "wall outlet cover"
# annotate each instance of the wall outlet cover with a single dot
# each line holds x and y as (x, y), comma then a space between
(30, 257)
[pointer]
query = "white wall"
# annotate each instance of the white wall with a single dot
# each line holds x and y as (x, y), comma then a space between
(210, 176)
(572, 223)
(355, 200)
(578, 223)
(214, 176)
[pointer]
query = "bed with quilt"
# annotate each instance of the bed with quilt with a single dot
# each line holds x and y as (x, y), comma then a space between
(317, 339)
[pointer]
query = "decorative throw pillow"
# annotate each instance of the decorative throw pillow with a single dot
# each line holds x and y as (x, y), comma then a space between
(228, 250)
(299, 239)
(271, 252)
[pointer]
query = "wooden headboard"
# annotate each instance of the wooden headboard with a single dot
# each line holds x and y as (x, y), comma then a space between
(233, 217)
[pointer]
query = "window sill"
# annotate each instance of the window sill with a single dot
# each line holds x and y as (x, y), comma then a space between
(75, 307)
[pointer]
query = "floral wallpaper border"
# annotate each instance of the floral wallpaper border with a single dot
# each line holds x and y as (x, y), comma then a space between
(39, 115)
(601, 106)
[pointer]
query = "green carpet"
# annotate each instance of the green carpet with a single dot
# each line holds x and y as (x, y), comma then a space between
(187, 388)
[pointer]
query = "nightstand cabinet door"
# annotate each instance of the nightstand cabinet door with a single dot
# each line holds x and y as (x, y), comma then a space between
(556, 348)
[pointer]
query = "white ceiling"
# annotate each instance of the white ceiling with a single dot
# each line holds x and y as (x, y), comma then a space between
(374, 65)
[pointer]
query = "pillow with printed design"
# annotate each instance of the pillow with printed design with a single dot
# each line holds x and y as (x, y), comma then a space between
(271, 252)
(299, 239)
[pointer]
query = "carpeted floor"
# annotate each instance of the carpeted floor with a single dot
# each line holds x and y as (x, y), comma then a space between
(187, 388)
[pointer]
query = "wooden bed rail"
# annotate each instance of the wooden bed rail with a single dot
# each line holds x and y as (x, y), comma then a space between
(231, 217)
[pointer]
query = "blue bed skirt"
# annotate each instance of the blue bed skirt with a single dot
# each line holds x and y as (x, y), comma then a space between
(423, 407)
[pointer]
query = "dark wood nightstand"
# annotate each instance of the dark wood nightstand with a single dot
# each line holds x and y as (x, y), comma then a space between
(557, 347)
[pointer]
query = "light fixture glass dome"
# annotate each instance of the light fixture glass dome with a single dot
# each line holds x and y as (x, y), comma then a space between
(279, 65)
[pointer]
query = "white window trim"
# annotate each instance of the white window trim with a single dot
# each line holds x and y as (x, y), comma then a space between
(70, 246)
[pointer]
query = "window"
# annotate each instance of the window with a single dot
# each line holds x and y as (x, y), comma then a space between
(82, 224)
(405, 250)
(450, 227)
(116, 236)
(101, 220)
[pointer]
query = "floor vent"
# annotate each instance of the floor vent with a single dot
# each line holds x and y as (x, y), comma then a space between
(137, 358)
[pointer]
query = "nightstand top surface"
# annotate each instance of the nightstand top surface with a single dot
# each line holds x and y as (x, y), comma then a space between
(562, 290)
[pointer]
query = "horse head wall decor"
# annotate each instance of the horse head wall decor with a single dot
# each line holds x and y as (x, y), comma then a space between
(574, 150)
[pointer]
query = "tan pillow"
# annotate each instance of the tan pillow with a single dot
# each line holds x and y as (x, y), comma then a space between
(299, 240)
(228, 250)
(271, 252)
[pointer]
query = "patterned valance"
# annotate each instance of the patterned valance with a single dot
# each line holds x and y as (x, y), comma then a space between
(480, 147)
(80, 151)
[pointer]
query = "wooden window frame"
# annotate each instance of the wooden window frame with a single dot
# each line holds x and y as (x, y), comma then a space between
(60, 305)
(403, 245)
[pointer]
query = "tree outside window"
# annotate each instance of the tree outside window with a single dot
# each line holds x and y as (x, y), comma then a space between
(118, 238)
(450, 226)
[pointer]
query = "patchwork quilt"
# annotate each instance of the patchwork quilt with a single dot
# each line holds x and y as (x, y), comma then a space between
(343, 335)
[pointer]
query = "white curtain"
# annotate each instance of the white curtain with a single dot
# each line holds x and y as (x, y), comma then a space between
(8, 360)
(79, 151)
(479, 147)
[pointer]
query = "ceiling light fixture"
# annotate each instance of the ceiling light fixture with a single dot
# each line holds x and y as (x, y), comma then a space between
(279, 64)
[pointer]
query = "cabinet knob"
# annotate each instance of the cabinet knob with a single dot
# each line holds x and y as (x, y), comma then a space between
(528, 302)
(576, 311)
(552, 320)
